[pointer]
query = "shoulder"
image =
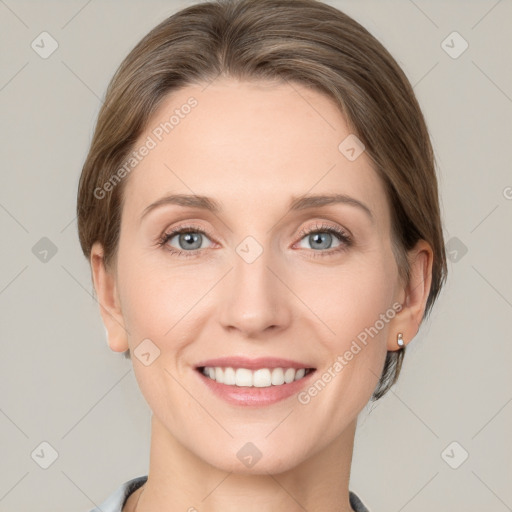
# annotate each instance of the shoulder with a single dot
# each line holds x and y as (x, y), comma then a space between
(356, 503)
(116, 501)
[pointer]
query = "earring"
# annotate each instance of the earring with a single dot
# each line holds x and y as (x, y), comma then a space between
(400, 340)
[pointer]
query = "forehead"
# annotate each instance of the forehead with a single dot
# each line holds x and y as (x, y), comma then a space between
(248, 144)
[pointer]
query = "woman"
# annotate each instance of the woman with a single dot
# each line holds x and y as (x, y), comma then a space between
(260, 210)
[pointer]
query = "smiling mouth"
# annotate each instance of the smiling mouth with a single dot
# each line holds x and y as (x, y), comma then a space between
(260, 378)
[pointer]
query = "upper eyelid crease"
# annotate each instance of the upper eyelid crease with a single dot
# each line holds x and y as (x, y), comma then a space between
(297, 203)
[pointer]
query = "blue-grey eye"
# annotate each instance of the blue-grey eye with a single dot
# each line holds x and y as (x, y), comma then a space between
(322, 239)
(190, 240)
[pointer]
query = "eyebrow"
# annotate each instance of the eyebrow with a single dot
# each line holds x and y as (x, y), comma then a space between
(297, 203)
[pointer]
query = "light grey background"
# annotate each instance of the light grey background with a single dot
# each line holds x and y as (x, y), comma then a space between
(62, 385)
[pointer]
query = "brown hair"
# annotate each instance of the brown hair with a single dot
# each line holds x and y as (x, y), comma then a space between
(303, 41)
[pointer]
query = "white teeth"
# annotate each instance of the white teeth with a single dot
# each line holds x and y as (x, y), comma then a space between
(261, 378)
(229, 376)
(289, 375)
(243, 377)
(277, 376)
(300, 373)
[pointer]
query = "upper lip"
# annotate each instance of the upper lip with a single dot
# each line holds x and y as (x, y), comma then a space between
(253, 364)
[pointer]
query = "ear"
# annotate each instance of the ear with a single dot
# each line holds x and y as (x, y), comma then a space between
(110, 307)
(413, 296)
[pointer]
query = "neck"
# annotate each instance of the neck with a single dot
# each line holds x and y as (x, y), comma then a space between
(179, 480)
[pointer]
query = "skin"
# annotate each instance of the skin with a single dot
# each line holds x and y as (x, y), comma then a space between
(252, 146)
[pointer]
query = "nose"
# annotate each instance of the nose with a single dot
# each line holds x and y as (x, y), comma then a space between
(255, 299)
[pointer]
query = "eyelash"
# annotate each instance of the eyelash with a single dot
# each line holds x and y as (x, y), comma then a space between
(324, 228)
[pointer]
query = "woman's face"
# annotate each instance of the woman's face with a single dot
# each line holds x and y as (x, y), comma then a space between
(250, 280)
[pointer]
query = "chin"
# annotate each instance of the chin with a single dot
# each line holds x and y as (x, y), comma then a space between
(258, 458)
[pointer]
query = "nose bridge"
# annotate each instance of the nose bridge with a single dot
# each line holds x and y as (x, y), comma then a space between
(255, 298)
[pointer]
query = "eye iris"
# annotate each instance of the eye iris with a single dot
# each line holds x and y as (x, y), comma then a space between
(190, 239)
(316, 236)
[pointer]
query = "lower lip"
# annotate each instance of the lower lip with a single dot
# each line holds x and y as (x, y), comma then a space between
(254, 396)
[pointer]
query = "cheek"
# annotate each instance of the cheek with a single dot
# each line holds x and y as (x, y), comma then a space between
(147, 291)
(358, 310)
(353, 298)
(153, 302)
